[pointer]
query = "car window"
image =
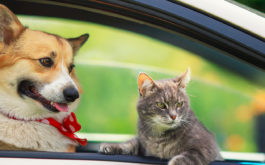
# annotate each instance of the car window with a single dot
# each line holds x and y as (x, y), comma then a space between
(107, 66)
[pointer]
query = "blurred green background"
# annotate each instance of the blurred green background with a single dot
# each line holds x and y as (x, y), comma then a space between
(107, 67)
(255, 4)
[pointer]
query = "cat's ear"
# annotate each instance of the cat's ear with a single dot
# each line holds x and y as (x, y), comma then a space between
(10, 27)
(145, 84)
(184, 78)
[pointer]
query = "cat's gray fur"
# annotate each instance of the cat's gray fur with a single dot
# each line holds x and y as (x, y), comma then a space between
(183, 140)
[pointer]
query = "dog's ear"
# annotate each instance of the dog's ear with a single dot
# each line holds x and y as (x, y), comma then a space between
(77, 42)
(10, 27)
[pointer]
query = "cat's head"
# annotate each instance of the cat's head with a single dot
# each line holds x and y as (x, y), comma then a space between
(163, 103)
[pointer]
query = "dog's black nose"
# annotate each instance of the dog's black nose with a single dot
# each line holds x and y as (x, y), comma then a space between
(70, 94)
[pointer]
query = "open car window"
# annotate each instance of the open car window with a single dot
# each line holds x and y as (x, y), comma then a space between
(162, 39)
(228, 101)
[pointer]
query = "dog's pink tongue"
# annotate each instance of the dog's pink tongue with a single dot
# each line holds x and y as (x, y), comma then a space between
(61, 107)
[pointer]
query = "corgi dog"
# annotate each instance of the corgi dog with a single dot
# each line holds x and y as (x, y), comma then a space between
(38, 88)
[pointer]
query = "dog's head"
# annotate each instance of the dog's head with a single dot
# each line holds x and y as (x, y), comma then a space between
(37, 76)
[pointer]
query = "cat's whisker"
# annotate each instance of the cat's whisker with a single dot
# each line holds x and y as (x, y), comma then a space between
(190, 95)
(185, 122)
(186, 125)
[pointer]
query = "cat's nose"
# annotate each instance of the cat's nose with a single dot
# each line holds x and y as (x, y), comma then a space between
(173, 117)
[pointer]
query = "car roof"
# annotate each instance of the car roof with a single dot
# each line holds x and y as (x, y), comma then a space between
(232, 12)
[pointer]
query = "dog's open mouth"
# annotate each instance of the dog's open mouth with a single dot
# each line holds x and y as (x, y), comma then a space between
(28, 89)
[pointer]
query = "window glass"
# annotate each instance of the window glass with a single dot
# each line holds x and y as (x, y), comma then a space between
(109, 62)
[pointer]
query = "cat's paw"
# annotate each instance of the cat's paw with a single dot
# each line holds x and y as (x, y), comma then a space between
(177, 160)
(110, 149)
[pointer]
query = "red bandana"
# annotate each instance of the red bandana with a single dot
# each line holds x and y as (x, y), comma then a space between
(67, 128)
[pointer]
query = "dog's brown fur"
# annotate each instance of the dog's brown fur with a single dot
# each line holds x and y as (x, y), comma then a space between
(20, 50)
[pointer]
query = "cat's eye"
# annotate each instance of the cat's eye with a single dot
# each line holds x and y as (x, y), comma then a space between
(179, 104)
(161, 105)
(46, 61)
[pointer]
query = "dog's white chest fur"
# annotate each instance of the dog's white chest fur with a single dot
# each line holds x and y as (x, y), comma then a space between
(33, 135)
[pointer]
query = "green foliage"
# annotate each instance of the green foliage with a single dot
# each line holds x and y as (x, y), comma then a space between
(255, 4)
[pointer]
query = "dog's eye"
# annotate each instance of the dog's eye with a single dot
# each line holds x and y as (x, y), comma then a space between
(47, 62)
(71, 67)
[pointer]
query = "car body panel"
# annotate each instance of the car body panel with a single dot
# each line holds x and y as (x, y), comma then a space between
(234, 14)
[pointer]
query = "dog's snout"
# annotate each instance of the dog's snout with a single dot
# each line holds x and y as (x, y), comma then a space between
(70, 94)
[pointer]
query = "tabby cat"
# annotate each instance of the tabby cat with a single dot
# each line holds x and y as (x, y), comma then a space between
(167, 127)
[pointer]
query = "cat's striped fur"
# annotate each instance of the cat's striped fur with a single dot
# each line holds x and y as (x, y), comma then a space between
(167, 127)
